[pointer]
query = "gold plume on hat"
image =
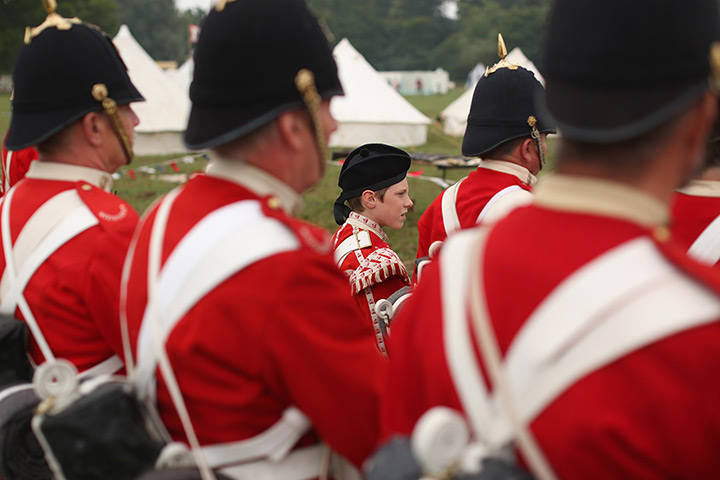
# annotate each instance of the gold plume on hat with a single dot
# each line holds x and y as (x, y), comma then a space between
(502, 53)
(53, 20)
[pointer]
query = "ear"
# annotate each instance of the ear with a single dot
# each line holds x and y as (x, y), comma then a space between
(290, 127)
(369, 199)
(93, 128)
(528, 151)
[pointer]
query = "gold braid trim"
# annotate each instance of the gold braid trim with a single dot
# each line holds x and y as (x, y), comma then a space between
(532, 121)
(305, 83)
(100, 93)
(377, 267)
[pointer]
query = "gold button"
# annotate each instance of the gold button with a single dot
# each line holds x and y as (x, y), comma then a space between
(86, 187)
(661, 234)
(274, 203)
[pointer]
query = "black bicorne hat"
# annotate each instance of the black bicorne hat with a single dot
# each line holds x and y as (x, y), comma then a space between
(372, 166)
(615, 70)
(55, 72)
(246, 62)
(503, 102)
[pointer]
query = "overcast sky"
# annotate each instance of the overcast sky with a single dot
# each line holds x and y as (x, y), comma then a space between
(450, 6)
(185, 4)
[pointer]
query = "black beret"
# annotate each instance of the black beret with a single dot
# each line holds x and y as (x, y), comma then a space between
(53, 79)
(246, 61)
(615, 70)
(372, 166)
(501, 105)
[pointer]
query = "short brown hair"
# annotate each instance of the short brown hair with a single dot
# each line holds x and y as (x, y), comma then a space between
(356, 205)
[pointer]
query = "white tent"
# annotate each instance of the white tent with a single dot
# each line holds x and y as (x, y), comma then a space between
(454, 116)
(163, 115)
(418, 82)
(182, 77)
(475, 74)
(371, 110)
(517, 57)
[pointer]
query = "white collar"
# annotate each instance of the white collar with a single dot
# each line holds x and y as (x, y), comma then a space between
(361, 221)
(701, 188)
(255, 180)
(45, 170)
(592, 195)
(522, 173)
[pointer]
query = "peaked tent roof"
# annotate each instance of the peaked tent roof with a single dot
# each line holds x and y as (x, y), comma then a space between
(166, 107)
(371, 110)
(454, 116)
(517, 57)
(182, 77)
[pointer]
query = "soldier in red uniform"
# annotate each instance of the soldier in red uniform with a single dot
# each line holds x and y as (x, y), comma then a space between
(64, 234)
(695, 210)
(245, 311)
(574, 335)
(15, 165)
(505, 129)
(374, 184)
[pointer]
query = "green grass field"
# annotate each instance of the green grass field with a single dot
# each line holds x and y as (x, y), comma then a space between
(145, 187)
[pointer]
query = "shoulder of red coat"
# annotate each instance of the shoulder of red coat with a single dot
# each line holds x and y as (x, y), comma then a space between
(676, 254)
(310, 236)
(108, 208)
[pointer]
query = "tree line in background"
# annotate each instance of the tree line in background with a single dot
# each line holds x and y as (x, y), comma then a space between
(391, 34)
(415, 35)
(160, 28)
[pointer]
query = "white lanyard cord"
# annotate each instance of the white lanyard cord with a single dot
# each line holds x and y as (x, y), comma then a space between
(12, 274)
(154, 258)
(490, 351)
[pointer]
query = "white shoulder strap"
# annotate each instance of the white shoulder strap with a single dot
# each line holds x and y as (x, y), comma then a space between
(49, 228)
(631, 289)
(706, 247)
(223, 243)
(502, 201)
(451, 222)
(464, 370)
(350, 244)
(6, 170)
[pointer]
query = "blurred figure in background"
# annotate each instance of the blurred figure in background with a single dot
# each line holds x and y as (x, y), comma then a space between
(506, 130)
(575, 339)
(696, 210)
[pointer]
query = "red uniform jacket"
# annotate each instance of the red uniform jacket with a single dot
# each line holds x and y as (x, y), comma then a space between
(473, 195)
(15, 165)
(650, 414)
(74, 294)
(281, 332)
(374, 271)
(693, 208)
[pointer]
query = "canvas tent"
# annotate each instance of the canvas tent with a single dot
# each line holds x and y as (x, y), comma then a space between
(163, 115)
(418, 82)
(182, 77)
(454, 116)
(371, 110)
